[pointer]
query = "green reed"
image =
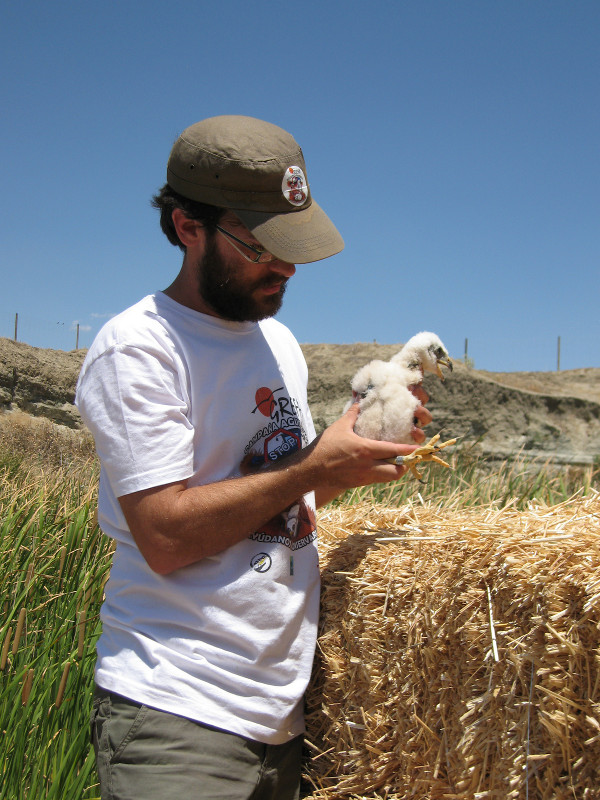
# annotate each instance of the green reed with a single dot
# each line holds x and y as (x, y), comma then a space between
(474, 480)
(54, 563)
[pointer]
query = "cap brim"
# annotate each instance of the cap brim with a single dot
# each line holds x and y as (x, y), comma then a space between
(298, 237)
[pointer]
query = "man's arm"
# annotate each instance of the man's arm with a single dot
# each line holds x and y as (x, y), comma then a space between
(176, 525)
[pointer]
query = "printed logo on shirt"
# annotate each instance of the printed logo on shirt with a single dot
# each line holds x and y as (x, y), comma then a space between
(261, 562)
(280, 437)
(275, 404)
(265, 400)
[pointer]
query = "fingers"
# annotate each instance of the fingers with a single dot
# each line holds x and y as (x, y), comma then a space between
(352, 413)
(418, 435)
(419, 392)
(383, 451)
(423, 415)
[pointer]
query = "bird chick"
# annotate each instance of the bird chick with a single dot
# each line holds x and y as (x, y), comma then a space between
(387, 406)
(424, 352)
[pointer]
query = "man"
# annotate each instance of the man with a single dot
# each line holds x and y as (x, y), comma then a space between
(210, 476)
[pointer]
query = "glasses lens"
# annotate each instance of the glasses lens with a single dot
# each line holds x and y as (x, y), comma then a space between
(264, 257)
(261, 256)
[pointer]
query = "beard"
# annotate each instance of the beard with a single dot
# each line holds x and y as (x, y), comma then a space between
(221, 286)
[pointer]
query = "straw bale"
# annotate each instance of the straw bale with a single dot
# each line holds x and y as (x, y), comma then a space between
(458, 653)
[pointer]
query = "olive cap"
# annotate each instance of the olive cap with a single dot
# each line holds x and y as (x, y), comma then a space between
(257, 170)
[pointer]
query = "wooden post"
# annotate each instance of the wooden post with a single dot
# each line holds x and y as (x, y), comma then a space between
(558, 356)
(77, 338)
(16, 325)
(466, 352)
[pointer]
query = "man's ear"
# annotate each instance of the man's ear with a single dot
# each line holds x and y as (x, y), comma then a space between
(190, 231)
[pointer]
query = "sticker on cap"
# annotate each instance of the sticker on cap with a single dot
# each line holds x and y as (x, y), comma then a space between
(294, 186)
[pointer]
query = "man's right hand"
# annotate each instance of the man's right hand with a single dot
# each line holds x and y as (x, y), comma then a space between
(346, 460)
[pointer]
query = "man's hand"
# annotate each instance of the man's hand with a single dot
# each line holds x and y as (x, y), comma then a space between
(177, 524)
(345, 460)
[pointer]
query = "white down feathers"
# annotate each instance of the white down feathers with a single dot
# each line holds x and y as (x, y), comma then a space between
(387, 406)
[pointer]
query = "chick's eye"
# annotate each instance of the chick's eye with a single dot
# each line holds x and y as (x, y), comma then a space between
(369, 388)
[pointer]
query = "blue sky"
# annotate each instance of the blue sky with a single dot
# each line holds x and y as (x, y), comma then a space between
(455, 144)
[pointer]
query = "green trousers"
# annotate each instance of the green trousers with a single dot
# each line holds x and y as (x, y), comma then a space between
(146, 754)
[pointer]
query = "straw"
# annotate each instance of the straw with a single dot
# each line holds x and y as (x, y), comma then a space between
(458, 653)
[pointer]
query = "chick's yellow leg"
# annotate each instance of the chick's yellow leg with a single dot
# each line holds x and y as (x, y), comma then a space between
(418, 475)
(427, 452)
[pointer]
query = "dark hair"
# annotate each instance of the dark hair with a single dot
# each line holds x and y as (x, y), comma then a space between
(167, 200)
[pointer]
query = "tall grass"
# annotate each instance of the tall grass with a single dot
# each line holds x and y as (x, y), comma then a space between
(476, 481)
(54, 562)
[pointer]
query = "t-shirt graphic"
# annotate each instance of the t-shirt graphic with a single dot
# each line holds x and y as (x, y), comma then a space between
(281, 435)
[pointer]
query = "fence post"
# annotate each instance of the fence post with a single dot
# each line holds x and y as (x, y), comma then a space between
(77, 338)
(466, 352)
(16, 325)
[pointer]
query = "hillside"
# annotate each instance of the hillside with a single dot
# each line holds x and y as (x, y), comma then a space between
(545, 414)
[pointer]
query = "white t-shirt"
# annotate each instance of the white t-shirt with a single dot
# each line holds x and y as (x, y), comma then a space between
(171, 394)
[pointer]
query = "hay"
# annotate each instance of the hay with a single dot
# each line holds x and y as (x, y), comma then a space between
(459, 653)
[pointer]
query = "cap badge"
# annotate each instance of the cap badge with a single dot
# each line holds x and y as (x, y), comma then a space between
(294, 186)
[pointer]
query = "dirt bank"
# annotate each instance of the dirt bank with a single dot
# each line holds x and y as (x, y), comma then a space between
(546, 414)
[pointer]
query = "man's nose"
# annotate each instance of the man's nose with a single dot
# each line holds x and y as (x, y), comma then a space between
(283, 268)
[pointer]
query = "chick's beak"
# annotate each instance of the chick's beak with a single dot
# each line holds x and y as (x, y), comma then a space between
(445, 362)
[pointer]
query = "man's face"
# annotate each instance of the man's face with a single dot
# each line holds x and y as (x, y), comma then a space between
(234, 288)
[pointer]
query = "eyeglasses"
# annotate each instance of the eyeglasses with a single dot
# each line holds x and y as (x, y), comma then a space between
(261, 256)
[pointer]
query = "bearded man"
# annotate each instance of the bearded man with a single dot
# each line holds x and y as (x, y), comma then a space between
(210, 477)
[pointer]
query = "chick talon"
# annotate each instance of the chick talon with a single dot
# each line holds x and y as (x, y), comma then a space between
(445, 444)
(423, 454)
(418, 475)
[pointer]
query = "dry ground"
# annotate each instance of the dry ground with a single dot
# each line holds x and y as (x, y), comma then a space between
(546, 414)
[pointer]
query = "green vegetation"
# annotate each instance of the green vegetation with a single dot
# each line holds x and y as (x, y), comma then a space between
(473, 481)
(54, 562)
